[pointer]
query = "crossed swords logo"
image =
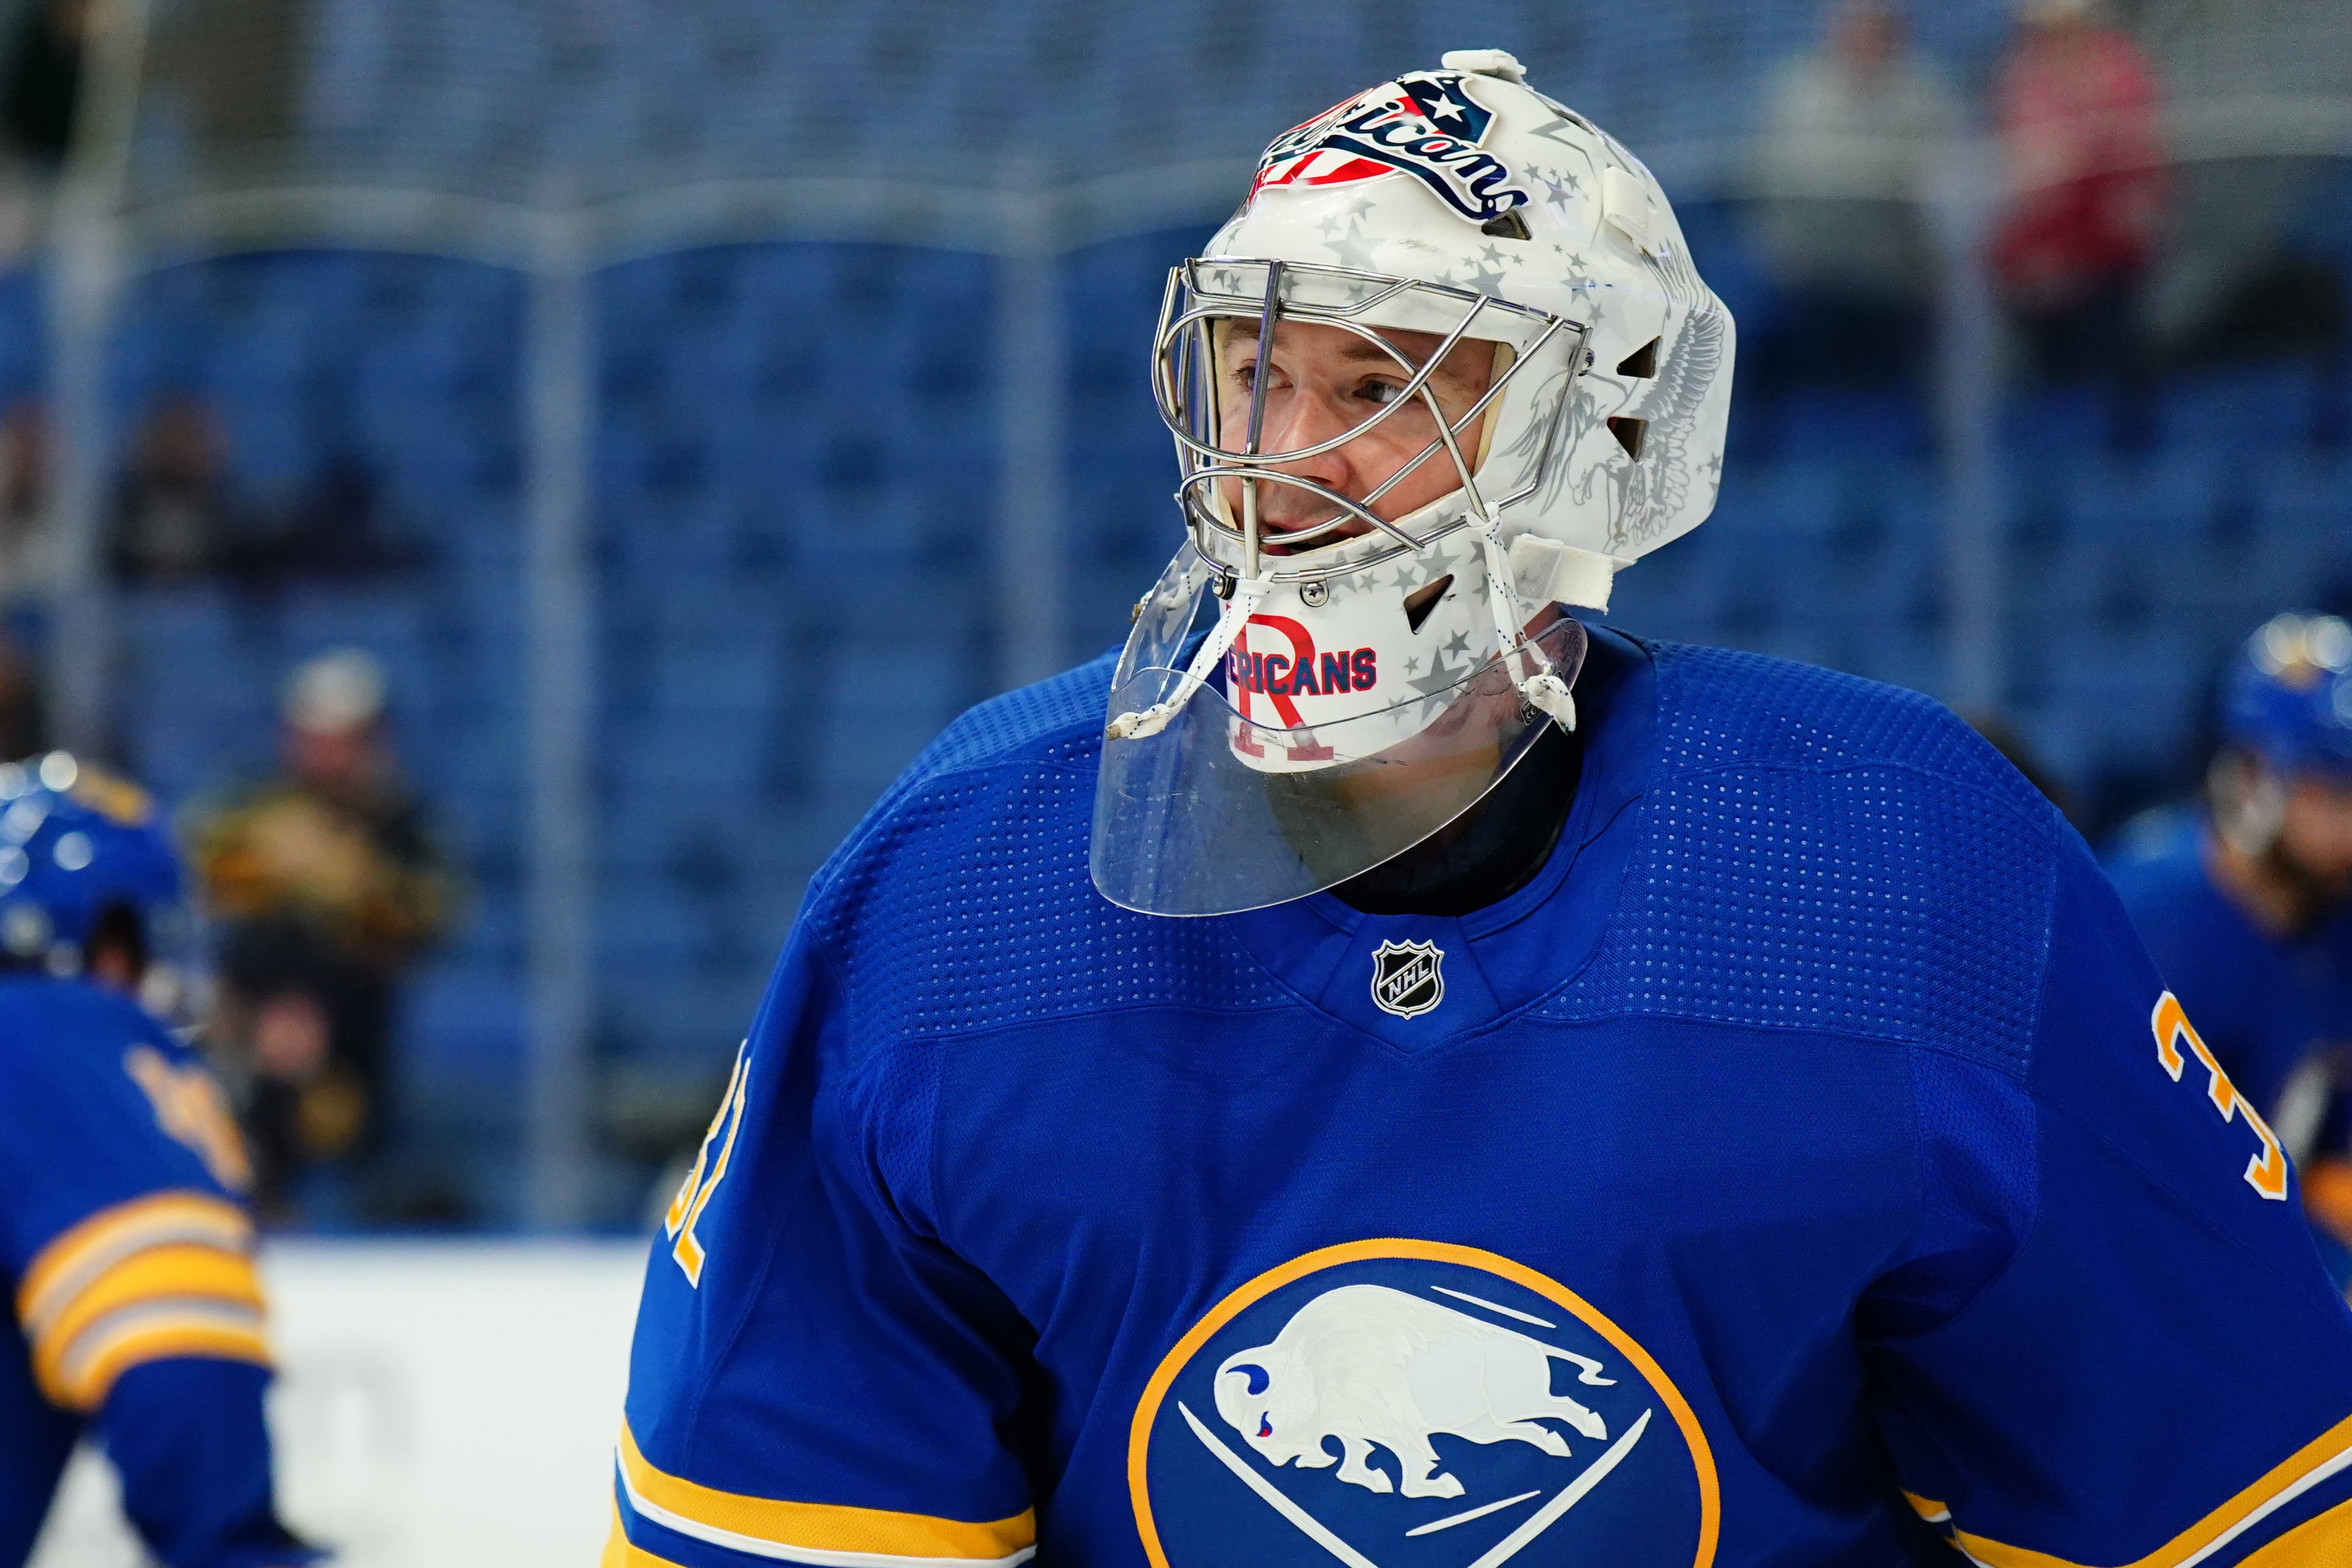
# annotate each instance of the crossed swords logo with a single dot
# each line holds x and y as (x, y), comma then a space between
(1502, 1551)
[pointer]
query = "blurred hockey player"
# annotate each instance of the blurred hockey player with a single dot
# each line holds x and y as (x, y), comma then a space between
(123, 1232)
(1387, 1069)
(2248, 912)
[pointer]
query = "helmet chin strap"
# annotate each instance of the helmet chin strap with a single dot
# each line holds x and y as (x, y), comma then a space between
(1248, 593)
(1544, 690)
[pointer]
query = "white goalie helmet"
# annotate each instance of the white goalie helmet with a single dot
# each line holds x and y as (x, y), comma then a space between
(1295, 707)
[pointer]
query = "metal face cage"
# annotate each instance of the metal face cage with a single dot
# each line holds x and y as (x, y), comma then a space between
(1201, 293)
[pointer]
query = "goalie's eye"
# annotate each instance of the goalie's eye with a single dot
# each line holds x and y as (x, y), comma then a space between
(1245, 376)
(1380, 392)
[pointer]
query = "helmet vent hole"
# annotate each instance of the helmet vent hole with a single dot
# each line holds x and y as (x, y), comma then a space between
(1510, 225)
(1642, 362)
(1421, 600)
(1629, 434)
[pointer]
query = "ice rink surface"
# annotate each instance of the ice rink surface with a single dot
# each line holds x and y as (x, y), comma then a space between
(451, 1404)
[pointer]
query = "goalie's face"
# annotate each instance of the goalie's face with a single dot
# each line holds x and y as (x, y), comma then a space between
(1321, 381)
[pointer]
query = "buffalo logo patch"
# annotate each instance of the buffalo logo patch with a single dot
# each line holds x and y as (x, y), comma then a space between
(1402, 1403)
(1408, 978)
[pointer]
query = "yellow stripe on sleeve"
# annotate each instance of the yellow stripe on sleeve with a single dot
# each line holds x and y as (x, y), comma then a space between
(620, 1551)
(64, 1267)
(2322, 1542)
(161, 1332)
(159, 1277)
(845, 1535)
(2327, 1454)
(159, 1273)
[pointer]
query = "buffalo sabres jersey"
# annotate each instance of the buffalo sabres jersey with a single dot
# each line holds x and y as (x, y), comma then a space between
(1806, 1166)
(126, 1255)
(2267, 1006)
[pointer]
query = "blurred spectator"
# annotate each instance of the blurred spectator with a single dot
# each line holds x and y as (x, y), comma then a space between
(326, 886)
(1853, 133)
(172, 520)
(40, 91)
(179, 517)
(2249, 84)
(24, 499)
(2076, 103)
(42, 81)
(236, 66)
(23, 727)
(329, 531)
(2249, 912)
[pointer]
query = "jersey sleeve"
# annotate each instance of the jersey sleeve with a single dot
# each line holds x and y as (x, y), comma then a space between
(119, 1231)
(187, 1437)
(132, 1258)
(2149, 1365)
(815, 1377)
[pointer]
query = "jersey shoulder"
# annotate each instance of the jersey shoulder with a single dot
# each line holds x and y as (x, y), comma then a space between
(1820, 852)
(55, 1032)
(1721, 708)
(992, 752)
(963, 899)
(2188, 924)
(2157, 862)
(99, 1104)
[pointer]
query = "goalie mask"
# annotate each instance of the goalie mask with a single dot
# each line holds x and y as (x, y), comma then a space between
(1448, 369)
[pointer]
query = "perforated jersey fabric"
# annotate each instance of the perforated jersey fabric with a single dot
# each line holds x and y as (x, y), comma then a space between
(1817, 851)
(1808, 1092)
(1823, 852)
(963, 901)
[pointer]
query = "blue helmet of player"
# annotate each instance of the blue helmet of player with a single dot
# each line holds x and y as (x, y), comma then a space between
(2286, 726)
(2289, 698)
(79, 848)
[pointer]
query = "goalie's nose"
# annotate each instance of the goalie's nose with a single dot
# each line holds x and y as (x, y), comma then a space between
(1293, 422)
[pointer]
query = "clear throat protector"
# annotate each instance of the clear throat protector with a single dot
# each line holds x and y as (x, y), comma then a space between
(1303, 699)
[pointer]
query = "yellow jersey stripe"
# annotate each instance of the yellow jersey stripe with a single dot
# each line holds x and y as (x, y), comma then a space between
(198, 1283)
(620, 1551)
(63, 1268)
(827, 1534)
(2327, 1454)
(158, 1332)
(152, 1274)
(67, 1374)
(2322, 1542)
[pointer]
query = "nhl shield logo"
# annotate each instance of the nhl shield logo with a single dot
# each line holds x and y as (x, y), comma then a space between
(1408, 978)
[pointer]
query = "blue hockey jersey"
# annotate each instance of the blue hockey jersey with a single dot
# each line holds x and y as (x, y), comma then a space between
(128, 1256)
(2263, 1005)
(1806, 1165)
